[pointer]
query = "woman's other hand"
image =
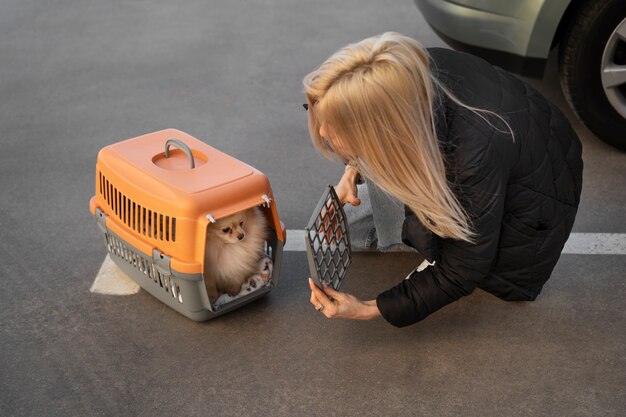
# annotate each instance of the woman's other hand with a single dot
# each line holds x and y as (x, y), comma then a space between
(346, 188)
(341, 305)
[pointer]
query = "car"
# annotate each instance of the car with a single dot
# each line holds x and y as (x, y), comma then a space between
(519, 35)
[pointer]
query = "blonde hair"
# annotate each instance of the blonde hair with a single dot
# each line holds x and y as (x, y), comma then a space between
(376, 98)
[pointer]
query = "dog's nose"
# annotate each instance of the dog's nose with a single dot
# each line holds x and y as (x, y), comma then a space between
(240, 236)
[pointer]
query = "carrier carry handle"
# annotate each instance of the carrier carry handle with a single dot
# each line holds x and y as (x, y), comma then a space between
(182, 146)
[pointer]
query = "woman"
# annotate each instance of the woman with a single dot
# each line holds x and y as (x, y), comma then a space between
(488, 171)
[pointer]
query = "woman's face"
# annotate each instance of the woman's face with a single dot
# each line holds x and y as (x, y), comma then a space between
(333, 143)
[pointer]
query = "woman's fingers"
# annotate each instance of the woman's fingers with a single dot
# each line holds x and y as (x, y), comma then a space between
(320, 299)
(348, 194)
(316, 303)
(317, 295)
(346, 190)
(353, 196)
(329, 291)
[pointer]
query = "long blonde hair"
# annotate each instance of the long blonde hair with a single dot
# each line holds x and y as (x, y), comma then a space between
(376, 97)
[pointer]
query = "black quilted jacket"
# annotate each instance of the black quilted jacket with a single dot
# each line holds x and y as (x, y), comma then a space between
(521, 195)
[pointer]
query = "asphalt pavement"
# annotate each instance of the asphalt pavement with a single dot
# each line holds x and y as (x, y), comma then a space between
(76, 76)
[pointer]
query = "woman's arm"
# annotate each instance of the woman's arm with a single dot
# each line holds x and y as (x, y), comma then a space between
(461, 265)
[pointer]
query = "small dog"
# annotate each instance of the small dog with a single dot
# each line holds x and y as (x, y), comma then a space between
(235, 252)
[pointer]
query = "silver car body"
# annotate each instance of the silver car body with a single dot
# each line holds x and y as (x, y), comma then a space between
(512, 26)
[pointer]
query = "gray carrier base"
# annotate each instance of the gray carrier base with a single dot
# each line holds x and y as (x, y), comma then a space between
(185, 293)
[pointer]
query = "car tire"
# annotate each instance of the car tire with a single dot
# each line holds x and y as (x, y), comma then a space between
(581, 66)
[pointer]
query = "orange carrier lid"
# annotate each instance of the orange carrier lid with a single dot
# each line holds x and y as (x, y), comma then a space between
(154, 200)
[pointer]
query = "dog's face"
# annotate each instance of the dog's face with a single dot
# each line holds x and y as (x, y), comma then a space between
(230, 229)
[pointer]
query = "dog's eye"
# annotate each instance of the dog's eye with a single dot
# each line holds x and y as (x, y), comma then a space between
(226, 230)
(240, 223)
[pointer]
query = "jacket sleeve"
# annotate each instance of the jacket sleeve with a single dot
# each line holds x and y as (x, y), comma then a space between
(461, 265)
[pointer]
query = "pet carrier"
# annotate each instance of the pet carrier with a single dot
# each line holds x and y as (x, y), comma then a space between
(154, 204)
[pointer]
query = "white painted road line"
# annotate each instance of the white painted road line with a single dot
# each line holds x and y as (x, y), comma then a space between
(295, 241)
(577, 244)
(111, 281)
(596, 244)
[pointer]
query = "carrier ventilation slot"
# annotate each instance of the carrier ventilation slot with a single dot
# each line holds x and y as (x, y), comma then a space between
(138, 218)
(144, 265)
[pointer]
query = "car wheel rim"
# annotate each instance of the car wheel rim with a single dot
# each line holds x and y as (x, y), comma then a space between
(613, 71)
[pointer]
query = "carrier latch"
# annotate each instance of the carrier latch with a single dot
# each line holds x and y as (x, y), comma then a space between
(162, 262)
(101, 219)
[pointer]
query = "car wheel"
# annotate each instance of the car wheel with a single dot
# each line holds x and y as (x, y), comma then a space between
(592, 64)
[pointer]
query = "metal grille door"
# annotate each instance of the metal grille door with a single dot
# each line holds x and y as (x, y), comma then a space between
(328, 241)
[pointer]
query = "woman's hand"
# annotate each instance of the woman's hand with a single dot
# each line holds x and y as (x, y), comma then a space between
(346, 189)
(342, 305)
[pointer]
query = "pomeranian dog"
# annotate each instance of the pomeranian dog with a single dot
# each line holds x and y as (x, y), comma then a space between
(235, 252)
